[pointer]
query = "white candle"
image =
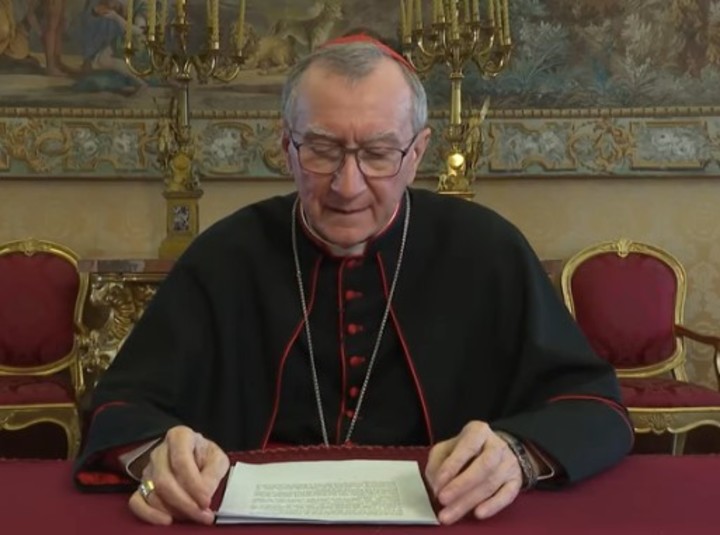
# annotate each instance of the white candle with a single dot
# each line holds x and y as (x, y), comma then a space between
(180, 11)
(163, 19)
(209, 14)
(129, 27)
(418, 14)
(506, 22)
(215, 23)
(454, 28)
(240, 30)
(151, 19)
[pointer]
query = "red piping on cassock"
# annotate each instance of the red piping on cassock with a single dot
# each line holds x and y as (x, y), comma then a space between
(286, 353)
(341, 340)
(408, 358)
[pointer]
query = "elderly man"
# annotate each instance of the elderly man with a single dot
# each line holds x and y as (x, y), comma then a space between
(356, 311)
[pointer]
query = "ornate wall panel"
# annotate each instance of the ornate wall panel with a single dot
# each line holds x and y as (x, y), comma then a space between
(248, 147)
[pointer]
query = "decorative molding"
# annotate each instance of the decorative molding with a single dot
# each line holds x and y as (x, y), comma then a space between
(32, 246)
(80, 113)
(120, 145)
(4, 154)
(246, 145)
(123, 298)
(535, 113)
(597, 113)
(517, 146)
(680, 420)
(679, 145)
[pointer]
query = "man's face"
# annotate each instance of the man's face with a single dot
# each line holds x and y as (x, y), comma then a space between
(347, 207)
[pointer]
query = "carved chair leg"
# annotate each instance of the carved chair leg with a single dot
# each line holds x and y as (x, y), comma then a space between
(72, 431)
(679, 443)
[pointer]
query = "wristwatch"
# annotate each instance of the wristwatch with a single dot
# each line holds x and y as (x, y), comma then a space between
(529, 474)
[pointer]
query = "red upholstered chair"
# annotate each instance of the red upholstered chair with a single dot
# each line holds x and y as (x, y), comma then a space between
(41, 301)
(628, 298)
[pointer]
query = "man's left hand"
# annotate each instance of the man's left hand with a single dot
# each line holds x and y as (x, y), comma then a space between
(476, 470)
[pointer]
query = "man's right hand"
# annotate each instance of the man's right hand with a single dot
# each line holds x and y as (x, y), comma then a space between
(185, 470)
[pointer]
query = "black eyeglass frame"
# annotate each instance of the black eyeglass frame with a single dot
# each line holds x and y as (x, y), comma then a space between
(403, 152)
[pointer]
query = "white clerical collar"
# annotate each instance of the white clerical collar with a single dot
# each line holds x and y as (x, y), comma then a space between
(354, 250)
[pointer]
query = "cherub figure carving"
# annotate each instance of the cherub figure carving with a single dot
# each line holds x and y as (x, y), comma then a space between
(455, 179)
(462, 162)
(175, 152)
(474, 138)
(166, 134)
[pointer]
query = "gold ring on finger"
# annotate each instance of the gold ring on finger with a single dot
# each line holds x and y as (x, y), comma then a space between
(146, 488)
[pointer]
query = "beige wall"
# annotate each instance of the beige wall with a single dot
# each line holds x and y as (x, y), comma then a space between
(559, 217)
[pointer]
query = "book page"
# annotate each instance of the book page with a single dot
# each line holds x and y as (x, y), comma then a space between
(327, 491)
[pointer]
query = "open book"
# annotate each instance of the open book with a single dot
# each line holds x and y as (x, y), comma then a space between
(344, 491)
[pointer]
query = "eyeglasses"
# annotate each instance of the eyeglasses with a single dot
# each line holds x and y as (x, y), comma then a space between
(327, 158)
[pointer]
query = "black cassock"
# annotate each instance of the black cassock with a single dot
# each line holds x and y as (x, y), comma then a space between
(475, 332)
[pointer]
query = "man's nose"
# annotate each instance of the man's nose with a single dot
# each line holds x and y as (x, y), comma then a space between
(349, 180)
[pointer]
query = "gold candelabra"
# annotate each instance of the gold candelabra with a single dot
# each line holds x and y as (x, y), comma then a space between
(166, 43)
(460, 32)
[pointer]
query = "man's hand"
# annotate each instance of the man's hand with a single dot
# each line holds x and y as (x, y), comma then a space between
(185, 470)
(476, 470)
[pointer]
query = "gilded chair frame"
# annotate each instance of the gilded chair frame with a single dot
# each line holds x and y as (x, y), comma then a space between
(66, 415)
(675, 420)
(622, 248)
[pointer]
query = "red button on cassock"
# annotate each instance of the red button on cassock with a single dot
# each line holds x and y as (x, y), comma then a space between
(356, 361)
(352, 294)
(354, 391)
(354, 328)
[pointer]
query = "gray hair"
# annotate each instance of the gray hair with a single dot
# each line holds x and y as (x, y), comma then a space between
(354, 61)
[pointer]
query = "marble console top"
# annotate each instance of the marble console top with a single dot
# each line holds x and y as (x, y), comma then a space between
(124, 265)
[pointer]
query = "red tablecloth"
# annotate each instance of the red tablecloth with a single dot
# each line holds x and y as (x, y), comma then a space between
(646, 494)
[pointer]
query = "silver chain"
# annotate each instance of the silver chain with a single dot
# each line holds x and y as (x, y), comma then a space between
(383, 322)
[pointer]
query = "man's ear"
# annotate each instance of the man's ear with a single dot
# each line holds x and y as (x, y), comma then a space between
(421, 144)
(423, 140)
(417, 152)
(285, 144)
(285, 140)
